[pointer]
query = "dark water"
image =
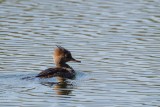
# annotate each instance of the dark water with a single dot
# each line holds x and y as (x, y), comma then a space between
(118, 42)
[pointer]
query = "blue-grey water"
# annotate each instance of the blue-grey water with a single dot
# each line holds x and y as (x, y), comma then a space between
(118, 42)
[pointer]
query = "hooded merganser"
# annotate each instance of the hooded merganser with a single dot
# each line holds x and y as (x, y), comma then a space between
(63, 70)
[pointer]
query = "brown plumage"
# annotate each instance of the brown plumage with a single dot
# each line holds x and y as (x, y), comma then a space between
(61, 56)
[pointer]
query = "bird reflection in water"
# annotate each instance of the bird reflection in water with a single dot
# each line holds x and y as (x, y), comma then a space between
(62, 87)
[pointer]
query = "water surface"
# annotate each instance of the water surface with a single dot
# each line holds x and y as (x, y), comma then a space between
(117, 41)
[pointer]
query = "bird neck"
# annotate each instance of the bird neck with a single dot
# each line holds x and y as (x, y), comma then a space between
(61, 65)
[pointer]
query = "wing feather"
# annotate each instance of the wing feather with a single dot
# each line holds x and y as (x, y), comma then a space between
(53, 72)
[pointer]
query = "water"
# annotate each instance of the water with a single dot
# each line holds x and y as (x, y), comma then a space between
(118, 42)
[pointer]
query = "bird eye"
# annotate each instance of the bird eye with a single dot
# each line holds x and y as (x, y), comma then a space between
(66, 55)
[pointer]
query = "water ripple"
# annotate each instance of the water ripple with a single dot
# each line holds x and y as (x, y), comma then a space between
(117, 42)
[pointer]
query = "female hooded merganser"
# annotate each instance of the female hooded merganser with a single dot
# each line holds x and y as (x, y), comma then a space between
(63, 70)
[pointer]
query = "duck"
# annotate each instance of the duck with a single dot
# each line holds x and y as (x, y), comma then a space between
(60, 56)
